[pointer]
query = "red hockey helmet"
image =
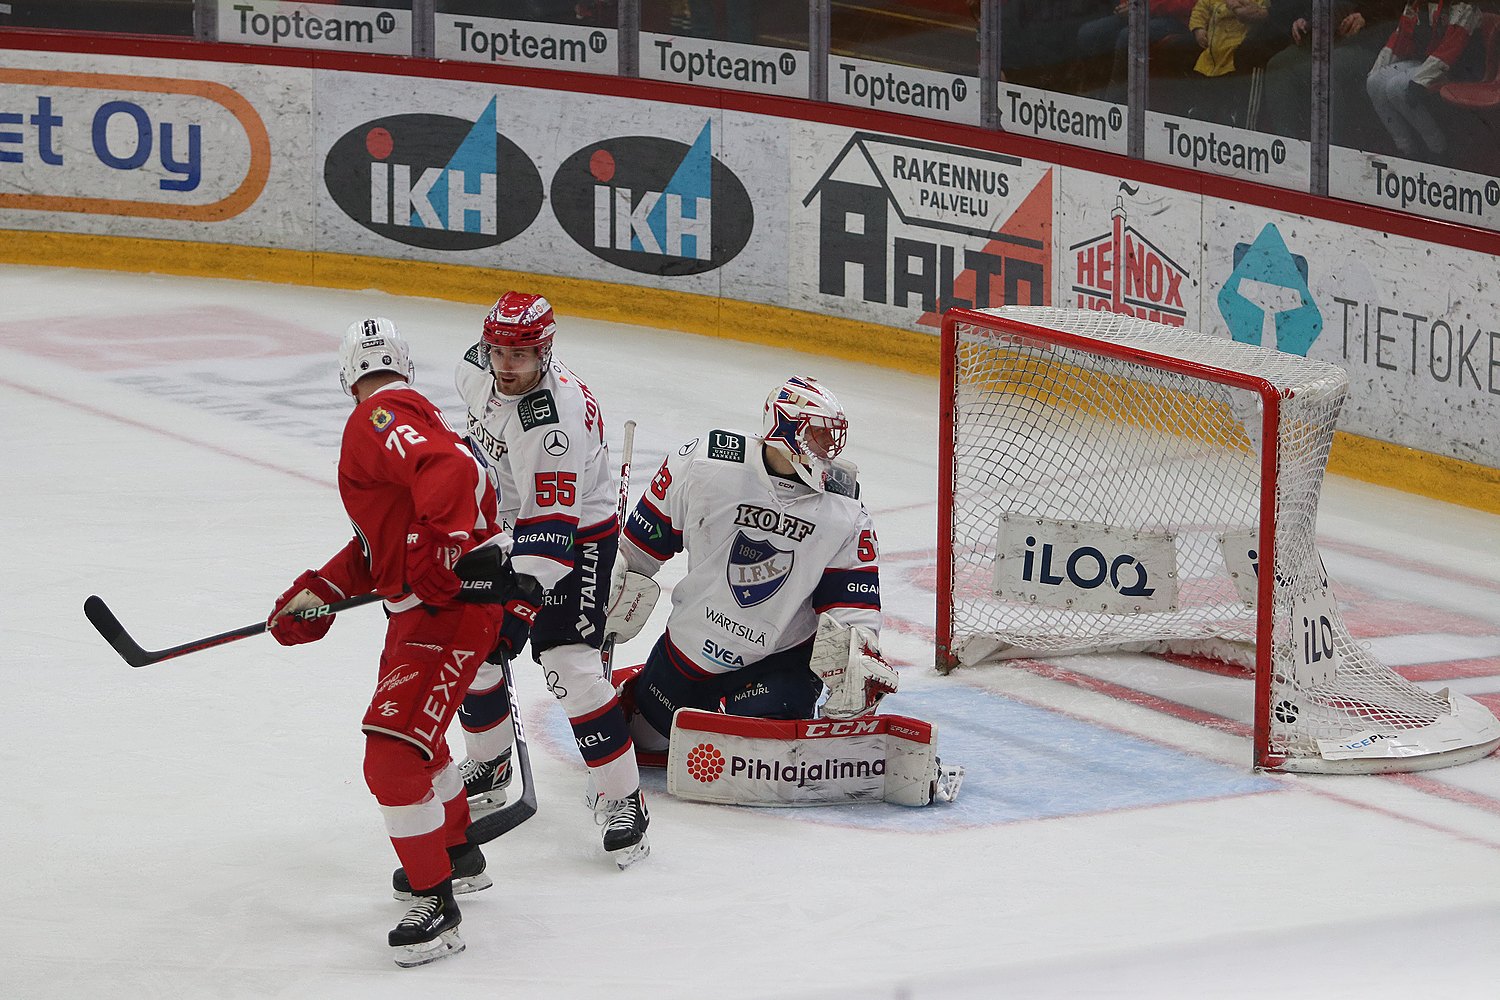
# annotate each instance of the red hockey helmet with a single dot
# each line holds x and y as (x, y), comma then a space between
(521, 319)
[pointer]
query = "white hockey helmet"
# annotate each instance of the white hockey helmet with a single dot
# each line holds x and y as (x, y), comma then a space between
(372, 345)
(805, 423)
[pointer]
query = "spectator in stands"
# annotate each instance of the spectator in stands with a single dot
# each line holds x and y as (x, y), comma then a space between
(1426, 50)
(1039, 40)
(1219, 26)
(1106, 41)
(1360, 28)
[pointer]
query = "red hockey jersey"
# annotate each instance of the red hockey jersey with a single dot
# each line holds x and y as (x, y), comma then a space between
(401, 463)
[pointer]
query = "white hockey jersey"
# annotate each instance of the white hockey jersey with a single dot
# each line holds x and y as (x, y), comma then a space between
(765, 555)
(548, 450)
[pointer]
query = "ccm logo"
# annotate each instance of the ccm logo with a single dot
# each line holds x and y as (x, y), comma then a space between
(851, 728)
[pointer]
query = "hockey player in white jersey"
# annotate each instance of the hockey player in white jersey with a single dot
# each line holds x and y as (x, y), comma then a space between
(543, 434)
(782, 593)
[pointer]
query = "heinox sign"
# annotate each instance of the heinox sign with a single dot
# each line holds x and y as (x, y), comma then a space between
(654, 205)
(434, 181)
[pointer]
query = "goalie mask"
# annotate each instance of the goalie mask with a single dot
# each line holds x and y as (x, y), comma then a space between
(372, 345)
(806, 424)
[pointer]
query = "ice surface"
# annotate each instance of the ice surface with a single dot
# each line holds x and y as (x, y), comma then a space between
(201, 829)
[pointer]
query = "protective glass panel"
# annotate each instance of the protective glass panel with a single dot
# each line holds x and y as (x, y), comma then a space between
(1415, 110)
(920, 57)
(137, 17)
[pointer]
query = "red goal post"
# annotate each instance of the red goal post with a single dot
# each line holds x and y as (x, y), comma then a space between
(1109, 484)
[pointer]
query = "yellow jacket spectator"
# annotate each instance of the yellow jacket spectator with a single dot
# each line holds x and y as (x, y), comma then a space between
(1220, 26)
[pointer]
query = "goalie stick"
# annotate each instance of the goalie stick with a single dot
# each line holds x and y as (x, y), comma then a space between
(511, 815)
(607, 649)
(130, 651)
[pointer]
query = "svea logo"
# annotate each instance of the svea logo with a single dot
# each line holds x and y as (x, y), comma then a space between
(434, 181)
(654, 205)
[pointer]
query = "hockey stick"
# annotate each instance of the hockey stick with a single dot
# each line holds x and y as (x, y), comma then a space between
(607, 649)
(130, 651)
(512, 814)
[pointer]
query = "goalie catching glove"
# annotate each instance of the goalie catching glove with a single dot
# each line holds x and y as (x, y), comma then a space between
(849, 662)
(632, 597)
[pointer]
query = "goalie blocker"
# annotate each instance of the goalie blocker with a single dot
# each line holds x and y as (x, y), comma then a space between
(733, 760)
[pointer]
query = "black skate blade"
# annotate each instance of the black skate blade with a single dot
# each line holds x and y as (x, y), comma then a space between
(409, 956)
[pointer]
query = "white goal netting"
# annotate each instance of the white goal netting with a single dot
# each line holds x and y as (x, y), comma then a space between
(1107, 488)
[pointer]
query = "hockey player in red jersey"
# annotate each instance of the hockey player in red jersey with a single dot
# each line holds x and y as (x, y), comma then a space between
(543, 433)
(419, 500)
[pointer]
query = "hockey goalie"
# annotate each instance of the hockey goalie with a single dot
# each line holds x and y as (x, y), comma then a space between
(764, 686)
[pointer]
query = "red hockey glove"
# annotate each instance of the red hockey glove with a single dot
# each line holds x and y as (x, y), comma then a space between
(306, 594)
(430, 555)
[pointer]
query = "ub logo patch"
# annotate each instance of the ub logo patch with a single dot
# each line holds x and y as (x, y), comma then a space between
(537, 409)
(726, 446)
(381, 418)
(756, 569)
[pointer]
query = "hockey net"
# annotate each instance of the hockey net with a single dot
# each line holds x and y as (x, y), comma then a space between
(1112, 484)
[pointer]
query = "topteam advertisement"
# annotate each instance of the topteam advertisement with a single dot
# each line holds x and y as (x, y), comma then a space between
(832, 220)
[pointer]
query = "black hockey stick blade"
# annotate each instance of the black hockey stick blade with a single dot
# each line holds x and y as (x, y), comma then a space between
(511, 815)
(130, 651)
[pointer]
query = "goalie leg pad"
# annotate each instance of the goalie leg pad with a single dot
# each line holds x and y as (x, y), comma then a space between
(733, 760)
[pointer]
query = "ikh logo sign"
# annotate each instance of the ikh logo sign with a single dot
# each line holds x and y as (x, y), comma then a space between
(434, 181)
(653, 205)
(1123, 272)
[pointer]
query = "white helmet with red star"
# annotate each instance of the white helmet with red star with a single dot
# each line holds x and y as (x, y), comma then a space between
(805, 422)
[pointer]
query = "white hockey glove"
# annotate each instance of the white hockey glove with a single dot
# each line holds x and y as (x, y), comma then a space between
(632, 597)
(848, 661)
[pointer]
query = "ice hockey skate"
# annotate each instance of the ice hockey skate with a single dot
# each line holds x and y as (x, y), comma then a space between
(624, 821)
(485, 782)
(468, 873)
(429, 931)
